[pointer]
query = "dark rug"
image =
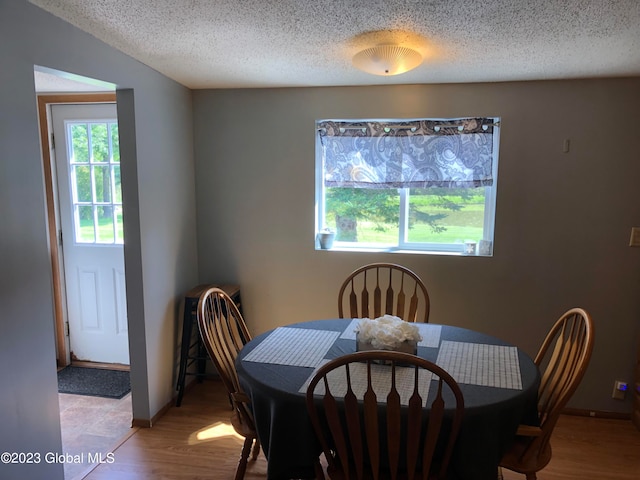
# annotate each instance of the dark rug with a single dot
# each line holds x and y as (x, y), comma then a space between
(94, 382)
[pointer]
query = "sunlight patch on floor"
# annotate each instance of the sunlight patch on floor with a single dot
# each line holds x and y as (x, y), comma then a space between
(212, 432)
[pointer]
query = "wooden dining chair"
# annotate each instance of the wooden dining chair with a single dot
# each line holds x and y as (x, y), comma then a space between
(371, 421)
(562, 359)
(224, 333)
(384, 288)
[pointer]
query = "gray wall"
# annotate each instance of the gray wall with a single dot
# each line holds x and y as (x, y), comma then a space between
(155, 117)
(561, 234)
(563, 219)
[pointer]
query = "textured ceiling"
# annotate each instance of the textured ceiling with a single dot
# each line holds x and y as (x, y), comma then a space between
(268, 43)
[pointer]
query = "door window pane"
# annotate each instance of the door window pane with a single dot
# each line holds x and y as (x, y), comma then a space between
(79, 143)
(117, 192)
(85, 231)
(100, 142)
(115, 142)
(119, 225)
(82, 183)
(102, 179)
(105, 225)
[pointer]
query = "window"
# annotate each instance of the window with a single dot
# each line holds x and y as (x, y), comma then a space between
(94, 160)
(408, 185)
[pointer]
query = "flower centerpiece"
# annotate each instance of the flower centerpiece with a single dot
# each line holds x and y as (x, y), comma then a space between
(387, 333)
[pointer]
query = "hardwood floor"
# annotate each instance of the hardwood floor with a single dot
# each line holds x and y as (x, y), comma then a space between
(195, 441)
(591, 449)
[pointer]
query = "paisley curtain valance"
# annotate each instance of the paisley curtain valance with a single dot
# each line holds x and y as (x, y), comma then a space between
(418, 153)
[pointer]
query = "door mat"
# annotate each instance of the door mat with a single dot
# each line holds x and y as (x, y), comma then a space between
(94, 382)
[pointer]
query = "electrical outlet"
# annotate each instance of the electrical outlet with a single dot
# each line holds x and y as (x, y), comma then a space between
(619, 390)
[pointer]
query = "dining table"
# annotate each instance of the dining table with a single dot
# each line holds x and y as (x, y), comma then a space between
(499, 383)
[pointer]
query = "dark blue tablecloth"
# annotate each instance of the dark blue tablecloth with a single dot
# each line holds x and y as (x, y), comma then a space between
(490, 420)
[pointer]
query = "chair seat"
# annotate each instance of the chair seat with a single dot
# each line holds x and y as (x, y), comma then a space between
(241, 427)
(535, 461)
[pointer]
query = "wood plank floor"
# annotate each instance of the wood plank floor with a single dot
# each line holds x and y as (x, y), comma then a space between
(195, 442)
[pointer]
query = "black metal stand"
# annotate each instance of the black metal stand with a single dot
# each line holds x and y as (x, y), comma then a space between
(192, 349)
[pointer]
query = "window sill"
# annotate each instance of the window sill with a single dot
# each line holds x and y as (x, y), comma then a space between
(397, 250)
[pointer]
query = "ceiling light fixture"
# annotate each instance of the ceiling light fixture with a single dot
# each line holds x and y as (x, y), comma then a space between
(387, 59)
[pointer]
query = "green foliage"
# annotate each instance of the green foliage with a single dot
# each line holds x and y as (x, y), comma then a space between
(115, 142)
(80, 143)
(377, 210)
(104, 228)
(363, 203)
(91, 151)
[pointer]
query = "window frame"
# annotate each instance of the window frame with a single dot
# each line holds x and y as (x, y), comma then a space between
(111, 165)
(402, 245)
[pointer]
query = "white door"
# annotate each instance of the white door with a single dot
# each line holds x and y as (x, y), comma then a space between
(87, 161)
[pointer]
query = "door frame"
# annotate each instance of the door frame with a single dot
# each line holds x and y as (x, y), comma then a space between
(44, 102)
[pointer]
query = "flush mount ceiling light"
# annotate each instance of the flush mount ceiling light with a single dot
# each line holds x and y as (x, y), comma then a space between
(387, 60)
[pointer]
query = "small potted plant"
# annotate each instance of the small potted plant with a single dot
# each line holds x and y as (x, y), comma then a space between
(325, 238)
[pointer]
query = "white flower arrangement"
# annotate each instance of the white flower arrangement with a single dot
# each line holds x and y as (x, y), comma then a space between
(387, 333)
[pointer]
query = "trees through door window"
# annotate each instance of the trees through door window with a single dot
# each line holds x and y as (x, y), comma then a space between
(94, 161)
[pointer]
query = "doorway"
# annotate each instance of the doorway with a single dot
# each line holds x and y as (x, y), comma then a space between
(80, 216)
(87, 423)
